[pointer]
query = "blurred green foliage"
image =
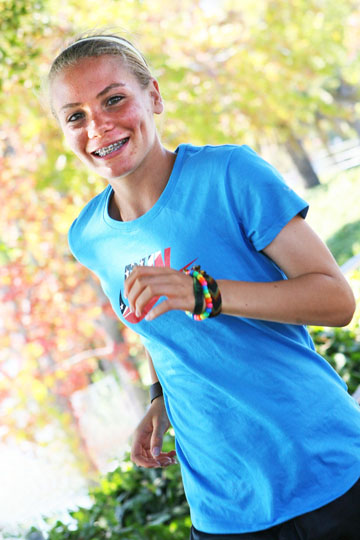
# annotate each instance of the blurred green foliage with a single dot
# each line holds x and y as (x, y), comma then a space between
(345, 243)
(130, 503)
(334, 213)
(21, 24)
(341, 348)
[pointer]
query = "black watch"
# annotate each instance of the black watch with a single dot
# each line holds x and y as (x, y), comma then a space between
(155, 391)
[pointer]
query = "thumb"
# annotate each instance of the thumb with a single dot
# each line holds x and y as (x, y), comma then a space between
(156, 442)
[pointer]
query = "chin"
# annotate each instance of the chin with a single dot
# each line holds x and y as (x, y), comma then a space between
(113, 175)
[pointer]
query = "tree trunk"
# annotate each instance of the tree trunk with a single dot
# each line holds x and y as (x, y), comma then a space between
(301, 161)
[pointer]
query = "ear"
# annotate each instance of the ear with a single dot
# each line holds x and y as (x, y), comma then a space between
(156, 98)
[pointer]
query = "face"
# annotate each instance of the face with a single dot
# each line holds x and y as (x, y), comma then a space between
(106, 115)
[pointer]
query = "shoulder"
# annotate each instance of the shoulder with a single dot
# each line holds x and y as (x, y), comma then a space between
(86, 225)
(232, 158)
(208, 151)
(237, 169)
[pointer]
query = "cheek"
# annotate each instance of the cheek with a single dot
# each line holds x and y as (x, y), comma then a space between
(136, 115)
(74, 141)
(132, 117)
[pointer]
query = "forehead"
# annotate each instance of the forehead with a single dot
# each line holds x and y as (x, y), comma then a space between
(87, 78)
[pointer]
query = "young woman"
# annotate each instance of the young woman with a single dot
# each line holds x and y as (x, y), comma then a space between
(266, 434)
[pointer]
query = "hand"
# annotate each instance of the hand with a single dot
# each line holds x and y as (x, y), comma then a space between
(146, 284)
(148, 438)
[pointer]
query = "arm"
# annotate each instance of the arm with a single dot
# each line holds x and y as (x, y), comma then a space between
(153, 374)
(315, 293)
(148, 436)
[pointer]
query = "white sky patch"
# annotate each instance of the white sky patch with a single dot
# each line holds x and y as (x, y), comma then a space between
(211, 7)
(32, 486)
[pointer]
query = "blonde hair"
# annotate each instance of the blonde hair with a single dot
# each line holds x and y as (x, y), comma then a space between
(100, 45)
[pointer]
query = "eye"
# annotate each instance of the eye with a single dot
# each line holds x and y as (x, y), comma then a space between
(74, 117)
(113, 100)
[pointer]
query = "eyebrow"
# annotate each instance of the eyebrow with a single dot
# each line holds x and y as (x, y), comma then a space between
(100, 94)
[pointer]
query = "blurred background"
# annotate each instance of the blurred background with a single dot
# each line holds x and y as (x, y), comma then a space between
(279, 75)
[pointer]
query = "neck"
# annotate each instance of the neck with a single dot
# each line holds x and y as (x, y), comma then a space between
(136, 194)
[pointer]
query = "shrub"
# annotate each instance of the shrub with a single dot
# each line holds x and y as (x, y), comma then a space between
(130, 503)
(341, 348)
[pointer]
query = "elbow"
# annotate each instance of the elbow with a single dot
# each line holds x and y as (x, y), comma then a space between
(348, 315)
(343, 320)
(344, 309)
(338, 302)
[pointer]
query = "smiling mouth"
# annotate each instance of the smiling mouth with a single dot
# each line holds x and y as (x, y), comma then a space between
(102, 152)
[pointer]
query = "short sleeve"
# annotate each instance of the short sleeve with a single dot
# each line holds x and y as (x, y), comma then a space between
(263, 202)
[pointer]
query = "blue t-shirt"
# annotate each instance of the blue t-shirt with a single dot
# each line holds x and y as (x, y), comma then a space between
(265, 429)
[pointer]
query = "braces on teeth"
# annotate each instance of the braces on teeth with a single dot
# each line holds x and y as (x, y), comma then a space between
(108, 149)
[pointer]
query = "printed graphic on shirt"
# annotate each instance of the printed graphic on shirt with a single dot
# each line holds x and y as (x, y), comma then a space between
(155, 259)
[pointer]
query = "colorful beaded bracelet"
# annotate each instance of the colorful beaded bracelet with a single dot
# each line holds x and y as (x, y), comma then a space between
(199, 297)
(195, 274)
(215, 294)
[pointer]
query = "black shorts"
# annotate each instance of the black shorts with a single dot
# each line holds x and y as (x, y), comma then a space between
(338, 520)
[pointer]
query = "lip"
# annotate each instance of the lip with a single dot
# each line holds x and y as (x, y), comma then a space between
(114, 153)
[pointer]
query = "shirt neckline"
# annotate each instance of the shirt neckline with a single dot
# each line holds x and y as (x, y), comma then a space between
(156, 208)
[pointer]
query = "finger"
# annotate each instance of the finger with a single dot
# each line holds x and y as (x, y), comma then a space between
(160, 309)
(156, 442)
(148, 463)
(169, 304)
(167, 458)
(140, 449)
(170, 455)
(145, 298)
(142, 456)
(140, 271)
(144, 290)
(155, 277)
(179, 295)
(163, 460)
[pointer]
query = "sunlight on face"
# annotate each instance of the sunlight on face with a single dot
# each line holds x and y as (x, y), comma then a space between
(107, 117)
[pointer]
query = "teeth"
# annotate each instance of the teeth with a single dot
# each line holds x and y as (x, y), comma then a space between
(111, 148)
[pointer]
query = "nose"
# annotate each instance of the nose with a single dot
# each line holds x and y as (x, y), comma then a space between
(98, 125)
